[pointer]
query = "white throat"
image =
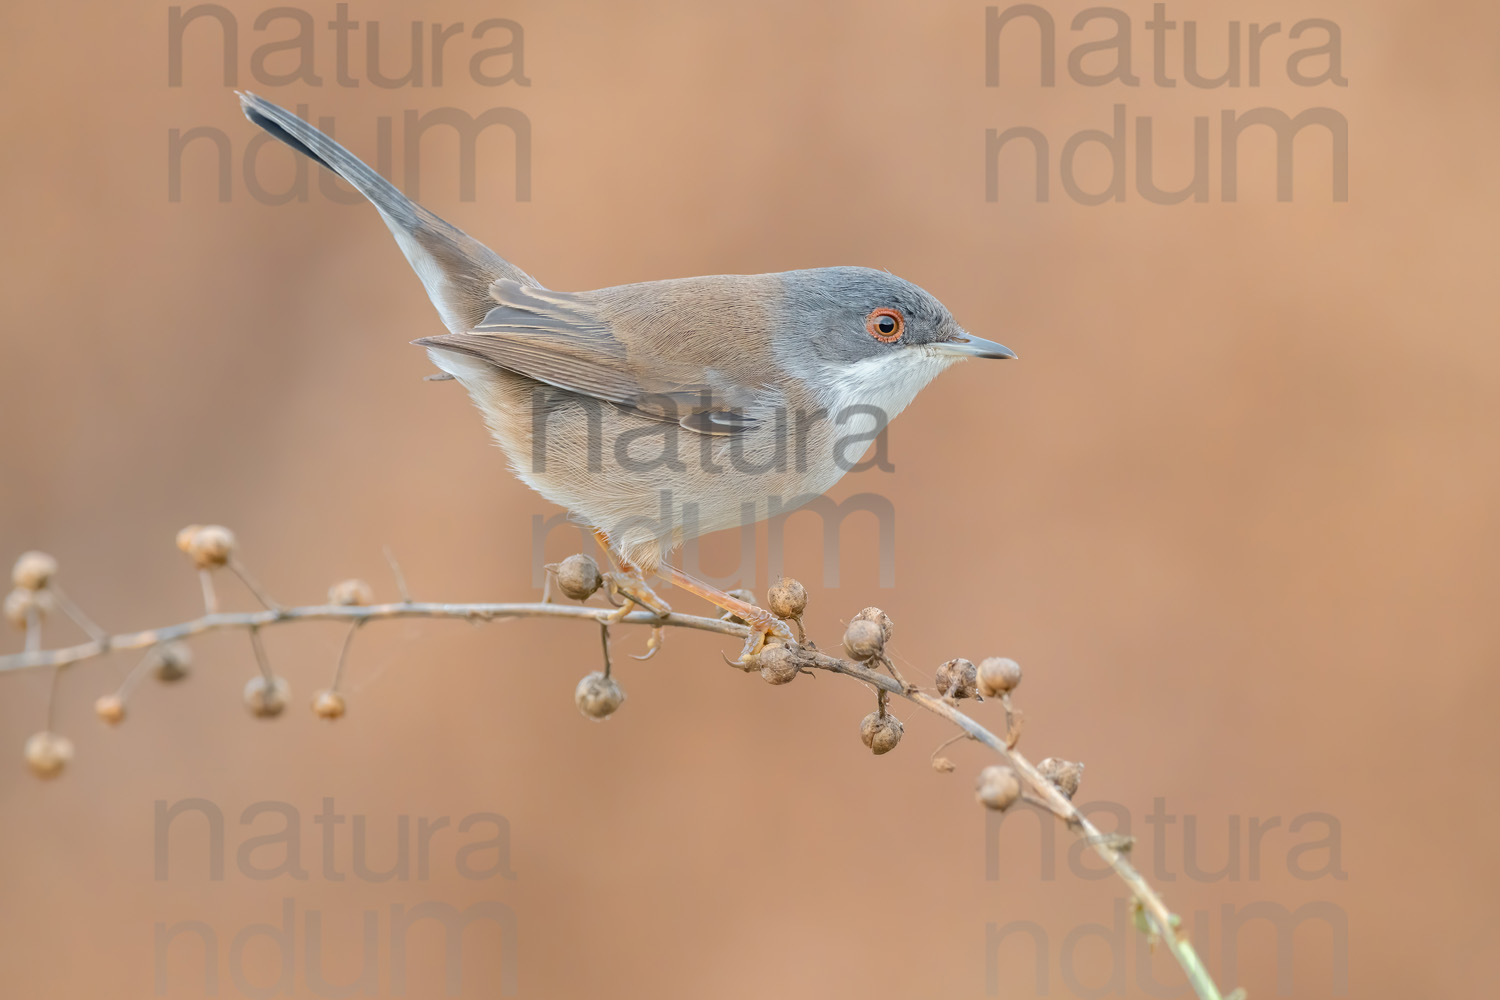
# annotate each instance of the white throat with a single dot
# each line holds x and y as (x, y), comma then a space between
(888, 383)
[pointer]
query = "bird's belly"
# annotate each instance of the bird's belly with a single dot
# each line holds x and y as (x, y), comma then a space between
(649, 484)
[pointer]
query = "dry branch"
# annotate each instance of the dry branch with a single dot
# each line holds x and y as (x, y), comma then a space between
(1050, 784)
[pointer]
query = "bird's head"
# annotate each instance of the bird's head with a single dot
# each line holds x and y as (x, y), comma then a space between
(870, 337)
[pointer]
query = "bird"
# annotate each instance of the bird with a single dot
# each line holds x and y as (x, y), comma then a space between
(663, 410)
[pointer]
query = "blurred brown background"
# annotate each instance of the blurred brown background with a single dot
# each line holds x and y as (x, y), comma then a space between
(1233, 509)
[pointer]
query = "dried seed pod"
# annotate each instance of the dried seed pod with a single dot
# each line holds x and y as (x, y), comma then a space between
(266, 699)
(47, 753)
(210, 545)
(881, 733)
(788, 598)
(20, 602)
(957, 679)
(328, 705)
(18, 606)
(186, 535)
(1065, 774)
(943, 765)
(33, 571)
(597, 696)
(172, 661)
(110, 708)
(879, 618)
(351, 594)
(863, 639)
(778, 665)
(998, 675)
(998, 787)
(578, 577)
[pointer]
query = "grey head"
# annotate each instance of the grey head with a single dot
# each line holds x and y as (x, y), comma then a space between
(852, 314)
(866, 336)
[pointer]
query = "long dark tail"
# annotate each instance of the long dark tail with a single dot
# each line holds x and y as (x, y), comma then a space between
(456, 269)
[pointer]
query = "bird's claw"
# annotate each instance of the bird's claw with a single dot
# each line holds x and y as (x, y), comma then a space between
(621, 610)
(653, 644)
(633, 589)
(753, 644)
(764, 626)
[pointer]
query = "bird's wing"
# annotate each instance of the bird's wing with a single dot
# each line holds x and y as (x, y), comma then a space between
(565, 340)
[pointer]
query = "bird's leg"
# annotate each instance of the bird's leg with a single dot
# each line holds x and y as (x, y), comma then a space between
(763, 624)
(628, 582)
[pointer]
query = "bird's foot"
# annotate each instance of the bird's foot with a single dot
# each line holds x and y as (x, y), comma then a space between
(763, 625)
(631, 587)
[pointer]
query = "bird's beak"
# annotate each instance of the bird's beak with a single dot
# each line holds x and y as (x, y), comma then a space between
(966, 345)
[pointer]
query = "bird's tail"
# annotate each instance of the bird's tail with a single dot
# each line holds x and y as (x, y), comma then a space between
(456, 269)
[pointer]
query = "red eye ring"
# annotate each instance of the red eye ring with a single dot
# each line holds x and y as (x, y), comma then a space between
(885, 325)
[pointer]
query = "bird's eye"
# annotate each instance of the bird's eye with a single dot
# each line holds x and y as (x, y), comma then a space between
(885, 325)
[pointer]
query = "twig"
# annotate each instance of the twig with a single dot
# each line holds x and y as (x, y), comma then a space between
(33, 628)
(338, 671)
(238, 568)
(261, 660)
(210, 596)
(1012, 722)
(72, 610)
(390, 558)
(261, 619)
(933, 757)
(136, 673)
(1161, 920)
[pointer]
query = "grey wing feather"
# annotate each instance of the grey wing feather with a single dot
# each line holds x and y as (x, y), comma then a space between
(718, 421)
(560, 339)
